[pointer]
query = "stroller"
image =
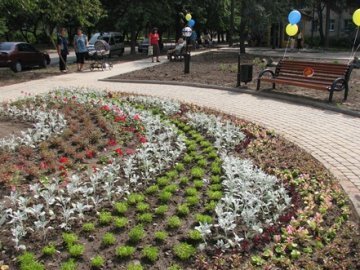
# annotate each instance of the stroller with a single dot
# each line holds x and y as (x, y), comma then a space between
(99, 56)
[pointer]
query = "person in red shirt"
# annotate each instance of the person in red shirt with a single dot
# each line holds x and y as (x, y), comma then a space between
(154, 42)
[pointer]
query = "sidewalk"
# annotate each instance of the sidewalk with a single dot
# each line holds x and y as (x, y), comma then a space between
(330, 137)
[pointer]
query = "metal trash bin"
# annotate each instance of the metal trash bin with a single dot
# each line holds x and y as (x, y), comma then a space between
(245, 72)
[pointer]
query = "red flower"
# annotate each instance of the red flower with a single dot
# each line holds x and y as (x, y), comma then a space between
(142, 139)
(94, 169)
(136, 117)
(90, 153)
(105, 108)
(112, 142)
(119, 152)
(130, 151)
(119, 118)
(63, 160)
(43, 165)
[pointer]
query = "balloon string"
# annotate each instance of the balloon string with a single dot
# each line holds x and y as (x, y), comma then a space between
(287, 45)
(353, 51)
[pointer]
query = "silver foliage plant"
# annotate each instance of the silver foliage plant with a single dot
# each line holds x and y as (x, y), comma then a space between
(226, 134)
(169, 107)
(46, 124)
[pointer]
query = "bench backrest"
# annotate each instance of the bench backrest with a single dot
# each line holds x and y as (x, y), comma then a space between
(322, 71)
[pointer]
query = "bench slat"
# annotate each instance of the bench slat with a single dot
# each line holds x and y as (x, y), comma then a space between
(315, 64)
(323, 87)
(321, 71)
(309, 80)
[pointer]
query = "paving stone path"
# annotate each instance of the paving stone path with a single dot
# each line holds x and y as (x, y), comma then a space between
(332, 138)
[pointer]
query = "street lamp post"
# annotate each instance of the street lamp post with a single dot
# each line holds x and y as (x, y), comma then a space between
(187, 31)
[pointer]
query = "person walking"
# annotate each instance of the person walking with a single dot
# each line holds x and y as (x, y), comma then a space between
(62, 49)
(154, 42)
(80, 45)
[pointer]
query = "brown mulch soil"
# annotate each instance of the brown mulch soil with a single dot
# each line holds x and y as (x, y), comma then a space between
(220, 69)
(8, 128)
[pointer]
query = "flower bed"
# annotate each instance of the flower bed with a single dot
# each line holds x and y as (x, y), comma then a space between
(146, 183)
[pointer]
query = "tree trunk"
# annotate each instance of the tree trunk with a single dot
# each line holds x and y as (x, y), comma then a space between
(232, 18)
(321, 23)
(327, 26)
(133, 40)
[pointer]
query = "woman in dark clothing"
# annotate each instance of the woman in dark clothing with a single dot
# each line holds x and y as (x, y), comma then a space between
(154, 42)
(62, 49)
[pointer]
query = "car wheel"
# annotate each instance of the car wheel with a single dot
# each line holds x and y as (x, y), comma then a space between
(17, 67)
(44, 63)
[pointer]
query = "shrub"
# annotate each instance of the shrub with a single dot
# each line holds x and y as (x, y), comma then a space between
(215, 179)
(191, 191)
(210, 206)
(165, 196)
(161, 236)
(214, 195)
(194, 235)
(163, 181)
(124, 251)
(121, 207)
(145, 218)
(142, 207)
(172, 174)
(198, 184)
(182, 210)
(161, 210)
(108, 239)
(197, 172)
(184, 251)
(151, 253)
(216, 187)
(88, 227)
(97, 261)
(69, 265)
(76, 250)
(184, 180)
(136, 234)
(28, 262)
(152, 189)
(120, 222)
(69, 239)
(202, 163)
(216, 168)
(135, 198)
(188, 159)
(212, 155)
(180, 167)
(173, 222)
(105, 218)
(203, 218)
(192, 200)
(134, 266)
(192, 147)
(49, 250)
(171, 188)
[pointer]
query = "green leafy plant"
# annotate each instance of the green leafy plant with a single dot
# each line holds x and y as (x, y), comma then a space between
(214, 195)
(197, 172)
(134, 266)
(76, 250)
(151, 253)
(182, 210)
(163, 181)
(174, 267)
(216, 168)
(120, 222)
(161, 210)
(97, 261)
(136, 234)
(184, 180)
(184, 251)
(202, 163)
(160, 236)
(210, 206)
(173, 222)
(212, 155)
(165, 196)
(121, 207)
(142, 207)
(69, 265)
(191, 191)
(172, 174)
(171, 188)
(215, 179)
(152, 189)
(198, 184)
(29, 262)
(109, 239)
(180, 167)
(216, 187)
(203, 218)
(192, 200)
(188, 159)
(124, 251)
(195, 235)
(105, 218)
(49, 250)
(145, 218)
(135, 198)
(69, 239)
(88, 227)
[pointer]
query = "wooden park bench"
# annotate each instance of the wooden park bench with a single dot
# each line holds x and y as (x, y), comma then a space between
(320, 76)
(177, 55)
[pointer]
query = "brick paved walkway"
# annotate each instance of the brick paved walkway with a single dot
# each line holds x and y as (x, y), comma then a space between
(330, 137)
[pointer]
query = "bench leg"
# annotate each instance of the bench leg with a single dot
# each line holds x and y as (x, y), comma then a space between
(331, 95)
(258, 85)
(346, 91)
(273, 86)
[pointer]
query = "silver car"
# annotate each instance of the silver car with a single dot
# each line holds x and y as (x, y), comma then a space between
(114, 39)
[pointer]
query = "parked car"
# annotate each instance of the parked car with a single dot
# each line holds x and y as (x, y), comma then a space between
(143, 46)
(20, 55)
(114, 39)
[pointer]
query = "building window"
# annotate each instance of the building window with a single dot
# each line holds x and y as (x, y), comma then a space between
(332, 26)
(315, 25)
(348, 25)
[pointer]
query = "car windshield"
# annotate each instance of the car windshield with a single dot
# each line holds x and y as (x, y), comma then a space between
(105, 38)
(94, 38)
(6, 46)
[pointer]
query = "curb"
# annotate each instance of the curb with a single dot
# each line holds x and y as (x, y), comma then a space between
(276, 96)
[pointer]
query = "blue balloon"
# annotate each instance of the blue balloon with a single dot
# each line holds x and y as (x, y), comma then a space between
(294, 17)
(191, 23)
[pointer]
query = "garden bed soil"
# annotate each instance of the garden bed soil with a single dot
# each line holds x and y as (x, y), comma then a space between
(220, 69)
(8, 128)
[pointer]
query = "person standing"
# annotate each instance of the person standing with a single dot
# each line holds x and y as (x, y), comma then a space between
(154, 41)
(299, 40)
(62, 49)
(80, 45)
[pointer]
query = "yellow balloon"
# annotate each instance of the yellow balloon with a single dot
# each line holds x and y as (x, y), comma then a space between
(292, 29)
(356, 17)
(188, 17)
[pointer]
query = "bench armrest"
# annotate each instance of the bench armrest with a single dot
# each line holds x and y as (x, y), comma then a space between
(340, 80)
(262, 73)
